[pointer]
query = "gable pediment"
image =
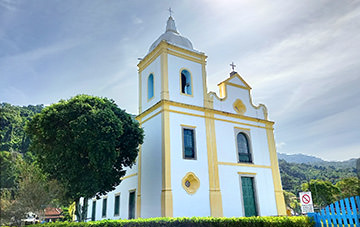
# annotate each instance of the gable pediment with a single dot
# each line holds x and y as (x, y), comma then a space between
(236, 80)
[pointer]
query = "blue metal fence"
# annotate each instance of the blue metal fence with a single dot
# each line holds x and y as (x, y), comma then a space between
(345, 212)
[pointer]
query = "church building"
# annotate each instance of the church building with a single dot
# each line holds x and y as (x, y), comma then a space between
(203, 154)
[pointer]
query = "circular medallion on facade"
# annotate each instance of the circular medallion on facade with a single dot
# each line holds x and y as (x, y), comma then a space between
(190, 183)
(239, 107)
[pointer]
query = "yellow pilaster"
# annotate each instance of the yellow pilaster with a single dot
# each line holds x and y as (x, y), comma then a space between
(279, 195)
(216, 209)
(166, 192)
(203, 69)
(164, 75)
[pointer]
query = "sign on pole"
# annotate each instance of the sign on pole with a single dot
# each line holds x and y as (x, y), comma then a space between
(306, 202)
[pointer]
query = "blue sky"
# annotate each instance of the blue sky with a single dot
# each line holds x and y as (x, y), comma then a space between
(301, 58)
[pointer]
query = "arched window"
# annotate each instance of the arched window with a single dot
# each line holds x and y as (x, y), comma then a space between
(150, 86)
(186, 82)
(243, 147)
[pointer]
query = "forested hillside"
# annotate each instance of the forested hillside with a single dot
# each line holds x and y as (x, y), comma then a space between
(295, 174)
(12, 123)
(315, 161)
(327, 182)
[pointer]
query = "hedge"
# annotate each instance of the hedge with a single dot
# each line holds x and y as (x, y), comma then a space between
(192, 222)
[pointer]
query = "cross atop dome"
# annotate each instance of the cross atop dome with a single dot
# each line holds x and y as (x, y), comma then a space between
(170, 11)
(172, 36)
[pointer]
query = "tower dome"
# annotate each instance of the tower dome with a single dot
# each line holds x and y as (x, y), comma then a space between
(172, 36)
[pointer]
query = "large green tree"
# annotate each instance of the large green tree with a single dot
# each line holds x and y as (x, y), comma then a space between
(349, 187)
(323, 192)
(85, 143)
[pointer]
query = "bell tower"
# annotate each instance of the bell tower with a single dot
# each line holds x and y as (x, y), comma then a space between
(172, 70)
(172, 81)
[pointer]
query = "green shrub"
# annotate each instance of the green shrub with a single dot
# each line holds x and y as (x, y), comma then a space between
(191, 222)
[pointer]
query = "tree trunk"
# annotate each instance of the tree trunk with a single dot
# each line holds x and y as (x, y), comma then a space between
(81, 210)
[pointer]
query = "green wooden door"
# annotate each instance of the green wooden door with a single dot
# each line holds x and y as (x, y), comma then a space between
(248, 196)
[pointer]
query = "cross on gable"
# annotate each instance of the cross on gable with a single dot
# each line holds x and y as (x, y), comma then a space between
(232, 66)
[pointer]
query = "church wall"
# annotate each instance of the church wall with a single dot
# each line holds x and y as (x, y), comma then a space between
(185, 204)
(230, 186)
(175, 65)
(226, 142)
(155, 69)
(126, 184)
(151, 172)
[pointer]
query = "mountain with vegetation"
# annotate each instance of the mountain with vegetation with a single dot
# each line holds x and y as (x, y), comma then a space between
(299, 158)
(295, 174)
(315, 161)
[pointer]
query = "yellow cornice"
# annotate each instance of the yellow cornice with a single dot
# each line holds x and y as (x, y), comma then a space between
(243, 164)
(246, 173)
(173, 50)
(131, 175)
(268, 124)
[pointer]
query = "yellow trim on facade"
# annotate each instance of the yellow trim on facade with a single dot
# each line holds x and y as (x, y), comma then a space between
(246, 173)
(166, 192)
(208, 110)
(205, 95)
(187, 57)
(160, 111)
(246, 129)
(247, 86)
(149, 58)
(173, 50)
(191, 85)
(238, 86)
(219, 119)
(128, 176)
(243, 165)
(187, 126)
(216, 209)
(279, 195)
(164, 94)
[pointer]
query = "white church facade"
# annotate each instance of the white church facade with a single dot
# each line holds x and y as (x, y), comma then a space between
(203, 154)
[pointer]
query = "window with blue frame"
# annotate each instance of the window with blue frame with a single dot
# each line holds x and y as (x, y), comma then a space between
(117, 205)
(186, 86)
(243, 148)
(93, 211)
(189, 151)
(150, 86)
(104, 207)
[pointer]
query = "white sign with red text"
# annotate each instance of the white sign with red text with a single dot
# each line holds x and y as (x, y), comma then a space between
(306, 202)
